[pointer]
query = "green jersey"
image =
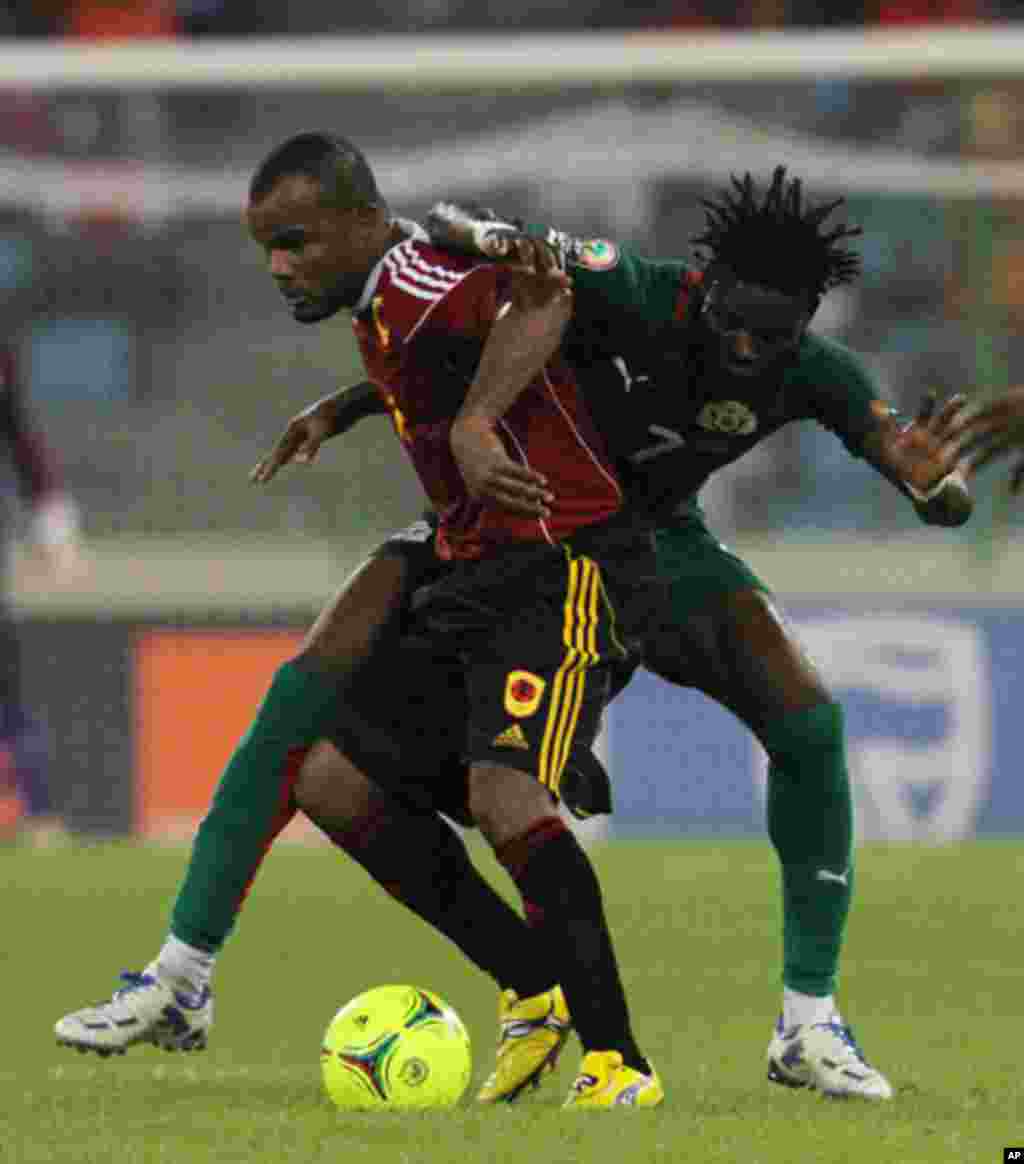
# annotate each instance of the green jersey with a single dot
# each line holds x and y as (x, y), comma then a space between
(668, 422)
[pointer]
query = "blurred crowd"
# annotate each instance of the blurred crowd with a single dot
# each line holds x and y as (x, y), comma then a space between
(99, 19)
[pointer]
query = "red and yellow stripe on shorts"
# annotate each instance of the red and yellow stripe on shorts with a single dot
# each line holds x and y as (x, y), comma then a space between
(582, 610)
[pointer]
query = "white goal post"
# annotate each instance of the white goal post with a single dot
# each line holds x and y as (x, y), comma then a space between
(438, 61)
(609, 139)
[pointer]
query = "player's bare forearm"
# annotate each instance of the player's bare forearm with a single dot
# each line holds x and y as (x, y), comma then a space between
(526, 333)
(353, 404)
(321, 421)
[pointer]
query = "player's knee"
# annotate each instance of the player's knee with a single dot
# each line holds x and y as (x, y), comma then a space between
(816, 733)
(505, 802)
(330, 790)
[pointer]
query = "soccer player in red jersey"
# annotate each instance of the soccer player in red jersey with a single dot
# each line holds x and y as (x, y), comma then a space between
(542, 596)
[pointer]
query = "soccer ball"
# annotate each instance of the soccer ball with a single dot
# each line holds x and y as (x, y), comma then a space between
(395, 1047)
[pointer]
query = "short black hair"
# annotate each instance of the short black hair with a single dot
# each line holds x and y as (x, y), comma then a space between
(336, 163)
(777, 242)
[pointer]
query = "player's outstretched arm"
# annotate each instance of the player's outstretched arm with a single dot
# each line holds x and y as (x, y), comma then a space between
(994, 432)
(327, 418)
(923, 459)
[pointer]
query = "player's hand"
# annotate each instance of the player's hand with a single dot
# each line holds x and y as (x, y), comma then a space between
(490, 474)
(993, 432)
(61, 564)
(53, 548)
(926, 450)
(530, 255)
(481, 232)
(300, 442)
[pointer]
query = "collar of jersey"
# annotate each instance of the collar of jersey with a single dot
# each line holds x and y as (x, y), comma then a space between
(416, 233)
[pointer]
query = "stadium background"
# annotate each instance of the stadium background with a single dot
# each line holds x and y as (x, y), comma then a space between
(162, 367)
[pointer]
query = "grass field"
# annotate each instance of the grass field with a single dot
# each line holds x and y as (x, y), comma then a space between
(932, 982)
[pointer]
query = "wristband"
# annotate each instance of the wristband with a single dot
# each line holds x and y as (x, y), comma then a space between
(922, 498)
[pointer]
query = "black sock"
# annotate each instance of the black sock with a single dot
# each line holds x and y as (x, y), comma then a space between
(562, 898)
(422, 862)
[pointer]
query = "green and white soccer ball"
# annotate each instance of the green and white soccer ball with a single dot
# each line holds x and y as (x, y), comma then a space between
(396, 1047)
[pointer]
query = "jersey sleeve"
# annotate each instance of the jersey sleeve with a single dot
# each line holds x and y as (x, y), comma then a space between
(625, 281)
(840, 393)
(427, 288)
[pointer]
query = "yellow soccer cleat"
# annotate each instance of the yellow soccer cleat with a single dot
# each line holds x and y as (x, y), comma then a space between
(605, 1082)
(533, 1032)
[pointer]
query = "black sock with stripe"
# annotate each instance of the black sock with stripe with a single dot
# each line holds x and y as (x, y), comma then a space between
(562, 898)
(422, 862)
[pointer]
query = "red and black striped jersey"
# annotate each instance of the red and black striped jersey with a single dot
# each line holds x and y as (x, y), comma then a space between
(421, 324)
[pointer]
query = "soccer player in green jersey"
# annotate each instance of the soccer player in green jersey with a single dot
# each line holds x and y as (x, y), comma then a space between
(685, 370)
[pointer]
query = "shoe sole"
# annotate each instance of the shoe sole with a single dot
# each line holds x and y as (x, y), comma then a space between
(84, 1048)
(193, 1043)
(775, 1076)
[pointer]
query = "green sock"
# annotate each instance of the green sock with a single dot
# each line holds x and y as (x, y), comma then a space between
(251, 805)
(810, 822)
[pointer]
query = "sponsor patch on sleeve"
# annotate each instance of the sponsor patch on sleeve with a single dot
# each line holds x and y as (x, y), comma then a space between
(598, 254)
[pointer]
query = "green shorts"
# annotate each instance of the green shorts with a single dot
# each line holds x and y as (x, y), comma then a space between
(697, 566)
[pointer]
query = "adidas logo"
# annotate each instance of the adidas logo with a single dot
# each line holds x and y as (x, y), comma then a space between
(511, 737)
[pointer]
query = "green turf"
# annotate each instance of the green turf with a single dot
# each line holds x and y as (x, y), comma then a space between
(932, 983)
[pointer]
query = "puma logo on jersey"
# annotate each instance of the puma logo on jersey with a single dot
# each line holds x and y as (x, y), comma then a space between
(839, 878)
(627, 378)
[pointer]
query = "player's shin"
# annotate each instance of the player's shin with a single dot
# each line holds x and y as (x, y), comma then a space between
(563, 902)
(810, 822)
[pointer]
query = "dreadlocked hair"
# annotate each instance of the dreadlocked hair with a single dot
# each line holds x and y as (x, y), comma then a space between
(778, 242)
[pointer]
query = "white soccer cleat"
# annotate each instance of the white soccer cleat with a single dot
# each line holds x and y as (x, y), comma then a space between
(825, 1057)
(144, 1010)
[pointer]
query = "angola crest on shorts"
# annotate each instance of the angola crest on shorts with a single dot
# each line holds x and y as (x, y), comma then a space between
(523, 693)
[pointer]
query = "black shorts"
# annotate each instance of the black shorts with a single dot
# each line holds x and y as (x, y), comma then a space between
(540, 631)
(406, 718)
(403, 725)
(402, 720)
